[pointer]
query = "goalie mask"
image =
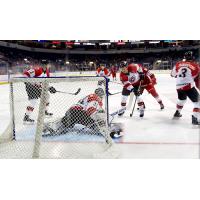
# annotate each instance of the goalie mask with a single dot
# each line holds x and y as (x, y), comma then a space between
(99, 92)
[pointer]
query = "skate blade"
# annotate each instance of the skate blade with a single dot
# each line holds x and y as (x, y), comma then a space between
(176, 118)
(28, 123)
(48, 116)
(196, 124)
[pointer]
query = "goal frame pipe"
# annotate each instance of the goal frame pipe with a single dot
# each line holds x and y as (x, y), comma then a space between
(40, 120)
(107, 101)
(12, 111)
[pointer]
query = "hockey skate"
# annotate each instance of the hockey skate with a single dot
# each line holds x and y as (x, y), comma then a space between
(162, 106)
(177, 114)
(142, 113)
(121, 113)
(28, 120)
(144, 107)
(195, 120)
(48, 114)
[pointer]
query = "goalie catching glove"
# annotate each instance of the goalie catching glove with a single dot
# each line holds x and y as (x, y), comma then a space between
(52, 90)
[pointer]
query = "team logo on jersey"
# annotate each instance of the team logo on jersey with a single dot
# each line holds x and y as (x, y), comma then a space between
(132, 77)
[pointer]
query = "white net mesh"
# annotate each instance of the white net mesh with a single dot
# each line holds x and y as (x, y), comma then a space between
(44, 125)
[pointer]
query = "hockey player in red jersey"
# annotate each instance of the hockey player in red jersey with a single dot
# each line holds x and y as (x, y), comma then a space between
(103, 71)
(135, 79)
(34, 89)
(113, 71)
(151, 87)
(185, 72)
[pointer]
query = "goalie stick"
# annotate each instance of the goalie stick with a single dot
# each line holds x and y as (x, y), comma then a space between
(58, 129)
(75, 93)
(116, 112)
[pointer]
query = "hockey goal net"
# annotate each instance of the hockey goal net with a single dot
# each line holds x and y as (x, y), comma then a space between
(46, 137)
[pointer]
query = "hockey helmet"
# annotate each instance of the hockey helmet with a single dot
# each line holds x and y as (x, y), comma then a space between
(189, 55)
(123, 64)
(99, 92)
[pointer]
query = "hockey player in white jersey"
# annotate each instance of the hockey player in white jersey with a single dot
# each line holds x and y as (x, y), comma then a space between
(185, 72)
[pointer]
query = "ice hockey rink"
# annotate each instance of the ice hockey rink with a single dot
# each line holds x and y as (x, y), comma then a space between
(156, 135)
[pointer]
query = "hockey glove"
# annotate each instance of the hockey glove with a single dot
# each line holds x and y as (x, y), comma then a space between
(52, 90)
(142, 75)
(136, 91)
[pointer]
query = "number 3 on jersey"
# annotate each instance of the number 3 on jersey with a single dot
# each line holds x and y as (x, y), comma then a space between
(183, 72)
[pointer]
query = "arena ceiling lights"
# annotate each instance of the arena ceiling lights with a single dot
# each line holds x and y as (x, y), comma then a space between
(104, 43)
(89, 43)
(154, 42)
(136, 41)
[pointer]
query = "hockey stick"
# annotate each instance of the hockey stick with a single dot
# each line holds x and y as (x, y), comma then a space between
(131, 114)
(114, 93)
(75, 93)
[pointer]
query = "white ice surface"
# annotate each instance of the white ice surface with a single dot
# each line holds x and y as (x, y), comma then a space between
(157, 135)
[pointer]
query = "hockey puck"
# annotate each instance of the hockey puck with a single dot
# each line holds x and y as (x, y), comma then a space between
(115, 135)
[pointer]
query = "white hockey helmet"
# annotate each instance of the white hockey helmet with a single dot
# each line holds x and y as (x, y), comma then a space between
(99, 92)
